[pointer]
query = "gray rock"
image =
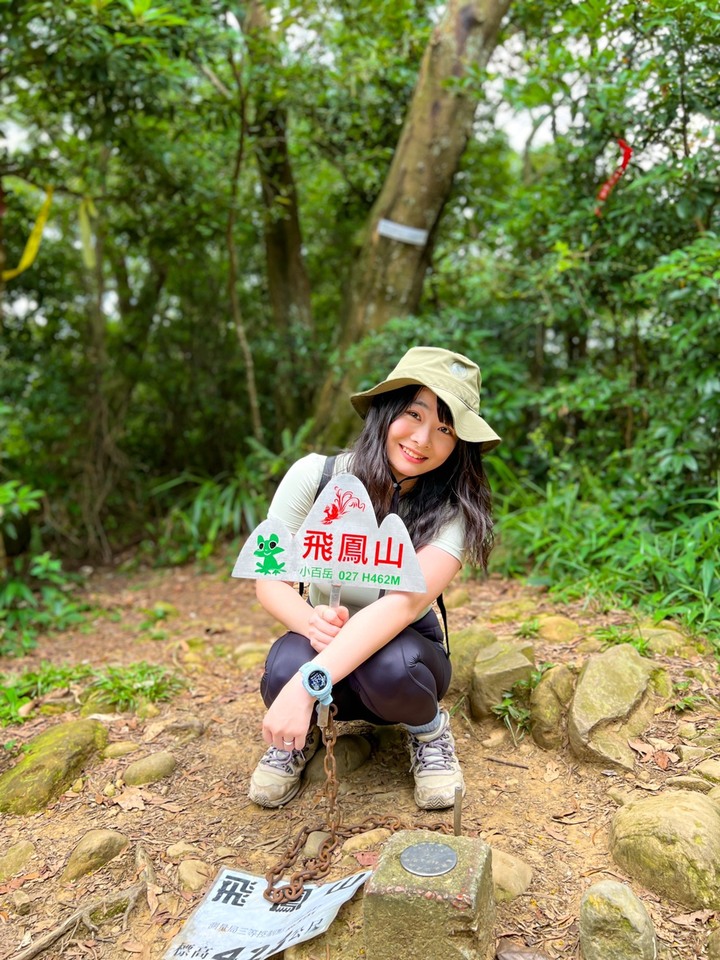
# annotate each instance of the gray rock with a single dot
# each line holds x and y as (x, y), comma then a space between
(710, 770)
(615, 700)
(150, 769)
(519, 609)
(557, 629)
(465, 646)
(549, 703)
(185, 729)
(511, 876)
(182, 848)
(351, 752)
(93, 851)
(614, 924)
(121, 748)
(15, 858)
(314, 843)
(194, 875)
(671, 844)
(22, 904)
(688, 782)
(497, 668)
(712, 946)
(52, 762)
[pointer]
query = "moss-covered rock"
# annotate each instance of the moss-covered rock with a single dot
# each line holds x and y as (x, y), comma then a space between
(549, 703)
(671, 844)
(52, 762)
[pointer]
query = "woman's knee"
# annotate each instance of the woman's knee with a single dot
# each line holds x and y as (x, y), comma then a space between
(286, 656)
(403, 681)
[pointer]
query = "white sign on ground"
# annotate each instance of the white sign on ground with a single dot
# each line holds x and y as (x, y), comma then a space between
(235, 922)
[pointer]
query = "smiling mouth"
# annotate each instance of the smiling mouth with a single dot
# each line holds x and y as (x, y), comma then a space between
(415, 457)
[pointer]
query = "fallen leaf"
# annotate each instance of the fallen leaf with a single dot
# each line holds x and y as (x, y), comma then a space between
(552, 772)
(132, 946)
(662, 759)
(507, 950)
(644, 749)
(152, 897)
(692, 919)
(367, 858)
(130, 799)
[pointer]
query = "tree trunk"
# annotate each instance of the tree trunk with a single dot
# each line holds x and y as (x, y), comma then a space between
(389, 273)
(288, 282)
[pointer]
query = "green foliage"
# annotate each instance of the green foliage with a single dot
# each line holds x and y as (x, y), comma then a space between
(528, 629)
(588, 540)
(612, 636)
(685, 699)
(208, 511)
(127, 687)
(514, 708)
(34, 593)
(122, 687)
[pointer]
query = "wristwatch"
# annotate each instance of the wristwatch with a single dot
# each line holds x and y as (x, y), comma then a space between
(317, 681)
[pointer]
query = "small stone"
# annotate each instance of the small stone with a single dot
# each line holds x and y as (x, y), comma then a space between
(457, 597)
(364, 841)
(181, 849)
(314, 842)
(713, 945)
(78, 785)
(121, 748)
(93, 851)
(511, 876)
(688, 782)
(557, 629)
(150, 769)
(687, 730)
(14, 860)
(690, 753)
(194, 874)
(22, 904)
(224, 853)
(709, 769)
(109, 790)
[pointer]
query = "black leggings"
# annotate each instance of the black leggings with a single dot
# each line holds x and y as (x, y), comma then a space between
(400, 683)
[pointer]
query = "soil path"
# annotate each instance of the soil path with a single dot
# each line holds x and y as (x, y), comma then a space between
(545, 808)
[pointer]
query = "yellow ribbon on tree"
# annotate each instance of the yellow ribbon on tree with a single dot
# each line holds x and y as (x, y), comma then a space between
(33, 242)
(87, 210)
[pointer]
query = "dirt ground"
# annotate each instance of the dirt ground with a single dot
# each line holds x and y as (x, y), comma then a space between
(546, 808)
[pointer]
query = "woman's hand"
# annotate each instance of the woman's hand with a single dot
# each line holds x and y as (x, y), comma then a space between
(287, 720)
(324, 625)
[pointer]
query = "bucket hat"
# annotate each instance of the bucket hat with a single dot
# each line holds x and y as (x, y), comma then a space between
(452, 376)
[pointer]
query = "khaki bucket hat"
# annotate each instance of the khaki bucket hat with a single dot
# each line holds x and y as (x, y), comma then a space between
(453, 377)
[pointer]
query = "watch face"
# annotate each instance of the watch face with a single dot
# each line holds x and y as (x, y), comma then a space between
(316, 680)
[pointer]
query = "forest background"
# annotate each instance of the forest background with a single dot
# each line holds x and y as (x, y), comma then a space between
(211, 280)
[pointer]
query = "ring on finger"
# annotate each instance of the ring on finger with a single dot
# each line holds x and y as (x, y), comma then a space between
(288, 742)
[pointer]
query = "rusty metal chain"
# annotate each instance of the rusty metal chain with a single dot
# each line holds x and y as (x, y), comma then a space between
(319, 866)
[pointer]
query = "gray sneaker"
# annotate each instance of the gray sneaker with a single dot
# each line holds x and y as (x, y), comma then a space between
(435, 767)
(276, 779)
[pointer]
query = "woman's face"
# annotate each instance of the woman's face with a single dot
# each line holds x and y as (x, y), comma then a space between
(418, 441)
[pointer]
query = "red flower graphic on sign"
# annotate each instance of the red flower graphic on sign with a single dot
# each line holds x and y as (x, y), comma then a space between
(344, 501)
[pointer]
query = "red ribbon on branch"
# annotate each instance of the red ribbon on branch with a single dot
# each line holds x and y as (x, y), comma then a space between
(606, 188)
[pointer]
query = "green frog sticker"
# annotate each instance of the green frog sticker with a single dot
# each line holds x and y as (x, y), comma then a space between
(267, 550)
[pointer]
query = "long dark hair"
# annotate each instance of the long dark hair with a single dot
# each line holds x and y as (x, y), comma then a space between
(457, 487)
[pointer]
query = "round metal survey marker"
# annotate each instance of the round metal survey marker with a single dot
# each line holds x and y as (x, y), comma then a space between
(428, 859)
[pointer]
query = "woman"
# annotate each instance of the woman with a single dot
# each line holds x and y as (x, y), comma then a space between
(380, 656)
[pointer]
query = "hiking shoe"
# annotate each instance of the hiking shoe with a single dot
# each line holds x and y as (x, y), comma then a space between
(276, 779)
(435, 767)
